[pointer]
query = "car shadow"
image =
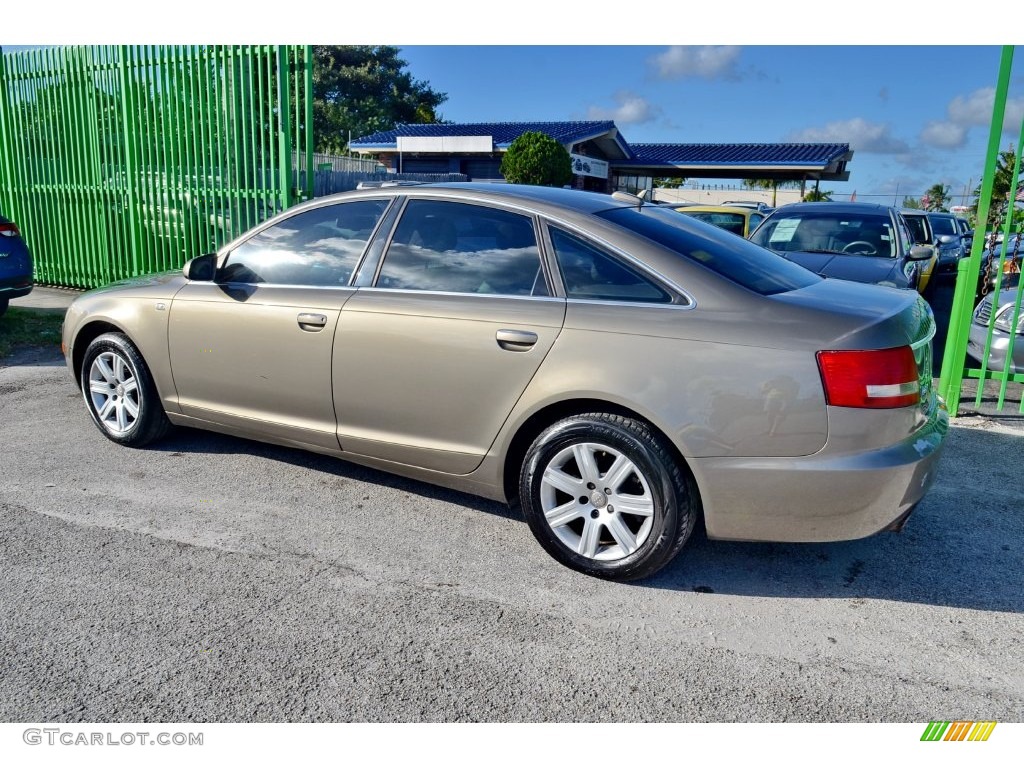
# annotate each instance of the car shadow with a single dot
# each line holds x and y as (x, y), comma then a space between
(953, 551)
(187, 440)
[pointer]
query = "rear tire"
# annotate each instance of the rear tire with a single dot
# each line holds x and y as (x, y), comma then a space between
(119, 392)
(3, 306)
(604, 495)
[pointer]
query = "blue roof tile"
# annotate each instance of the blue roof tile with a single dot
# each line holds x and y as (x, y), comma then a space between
(736, 154)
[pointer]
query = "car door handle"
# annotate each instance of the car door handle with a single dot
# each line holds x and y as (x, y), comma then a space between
(515, 341)
(308, 321)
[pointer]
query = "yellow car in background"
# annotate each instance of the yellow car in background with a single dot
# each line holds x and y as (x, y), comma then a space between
(738, 220)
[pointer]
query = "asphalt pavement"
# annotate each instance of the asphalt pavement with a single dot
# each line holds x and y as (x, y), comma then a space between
(209, 578)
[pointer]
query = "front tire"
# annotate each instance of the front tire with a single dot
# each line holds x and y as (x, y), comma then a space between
(604, 495)
(119, 392)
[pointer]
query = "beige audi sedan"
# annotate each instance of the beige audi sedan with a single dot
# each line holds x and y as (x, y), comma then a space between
(612, 368)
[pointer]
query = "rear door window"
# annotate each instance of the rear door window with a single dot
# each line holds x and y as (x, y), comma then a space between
(463, 248)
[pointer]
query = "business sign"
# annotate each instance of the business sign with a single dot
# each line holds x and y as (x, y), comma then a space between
(589, 166)
(445, 144)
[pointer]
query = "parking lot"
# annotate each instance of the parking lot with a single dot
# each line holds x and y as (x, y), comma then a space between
(216, 579)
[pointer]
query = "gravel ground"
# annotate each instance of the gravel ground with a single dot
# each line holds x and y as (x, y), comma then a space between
(216, 579)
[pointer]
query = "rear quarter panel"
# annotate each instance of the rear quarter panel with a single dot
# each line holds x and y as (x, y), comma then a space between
(673, 367)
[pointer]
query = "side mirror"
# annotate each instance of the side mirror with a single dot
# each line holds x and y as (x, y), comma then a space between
(201, 268)
(921, 252)
(947, 239)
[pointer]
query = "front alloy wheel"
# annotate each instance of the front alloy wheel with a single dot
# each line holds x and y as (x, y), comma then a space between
(114, 392)
(119, 392)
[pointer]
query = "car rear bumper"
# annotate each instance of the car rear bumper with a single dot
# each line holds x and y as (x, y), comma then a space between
(828, 496)
(13, 287)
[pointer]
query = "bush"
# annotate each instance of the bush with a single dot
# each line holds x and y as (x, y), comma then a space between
(536, 158)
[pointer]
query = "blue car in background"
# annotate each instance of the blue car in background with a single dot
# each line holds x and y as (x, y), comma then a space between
(15, 264)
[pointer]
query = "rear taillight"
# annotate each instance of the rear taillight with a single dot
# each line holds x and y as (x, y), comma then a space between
(9, 229)
(870, 378)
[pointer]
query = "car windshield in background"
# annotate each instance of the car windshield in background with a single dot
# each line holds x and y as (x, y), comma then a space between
(754, 268)
(860, 234)
(943, 225)
(918, 227)
(731, 222)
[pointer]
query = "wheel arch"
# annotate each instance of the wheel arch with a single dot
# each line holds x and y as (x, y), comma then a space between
(84, 337)
(553, 412)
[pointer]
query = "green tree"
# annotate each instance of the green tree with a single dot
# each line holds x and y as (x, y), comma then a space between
(818, 196)
(1000, 187)
(361, 89)
(937, 197)
(773, 184)
(667, 182)
(912, 203)
(536, 158)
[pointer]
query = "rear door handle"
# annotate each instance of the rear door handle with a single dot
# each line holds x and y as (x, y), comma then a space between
(515, 341)
(309, 321)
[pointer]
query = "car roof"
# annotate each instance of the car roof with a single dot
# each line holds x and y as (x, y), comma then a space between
(835, 207)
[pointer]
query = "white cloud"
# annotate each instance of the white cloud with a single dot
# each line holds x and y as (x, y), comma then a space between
(631, 110)
(969, 111)
(944, 134)
(711, 62)
(860, 134)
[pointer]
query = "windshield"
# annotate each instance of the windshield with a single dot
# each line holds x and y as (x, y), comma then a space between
(918, 228)
(734, 258)
(733, 222)
(942, 225)
(862, 234)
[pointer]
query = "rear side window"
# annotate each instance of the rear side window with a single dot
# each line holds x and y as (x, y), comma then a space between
(734, 258)
(320, 247)
(463, 248)
(589, 273)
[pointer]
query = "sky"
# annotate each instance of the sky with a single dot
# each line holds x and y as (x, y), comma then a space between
(914, 116)
(794, 70)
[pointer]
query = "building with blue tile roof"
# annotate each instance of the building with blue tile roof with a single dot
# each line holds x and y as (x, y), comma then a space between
(602, 158)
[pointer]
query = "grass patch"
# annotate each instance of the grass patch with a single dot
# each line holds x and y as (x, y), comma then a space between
(21, 327)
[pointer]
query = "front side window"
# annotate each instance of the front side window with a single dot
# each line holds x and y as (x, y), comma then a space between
(463, 248)
(319, 247)
(590, 273)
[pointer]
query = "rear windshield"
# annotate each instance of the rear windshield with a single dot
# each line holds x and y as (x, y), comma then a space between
(734, 258)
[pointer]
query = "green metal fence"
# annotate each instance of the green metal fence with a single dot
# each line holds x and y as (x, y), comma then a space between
(985, 342)
(121, 160)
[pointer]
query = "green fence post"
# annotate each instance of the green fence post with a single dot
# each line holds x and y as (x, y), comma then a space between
(284, 126)
(307, 51)
(951, 377)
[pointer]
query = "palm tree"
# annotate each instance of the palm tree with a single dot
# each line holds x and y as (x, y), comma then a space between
(936, 197)
(773, 184)
(818, 196)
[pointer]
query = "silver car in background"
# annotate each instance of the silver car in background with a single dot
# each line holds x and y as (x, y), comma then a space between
(613, 369)
(1007, 328)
